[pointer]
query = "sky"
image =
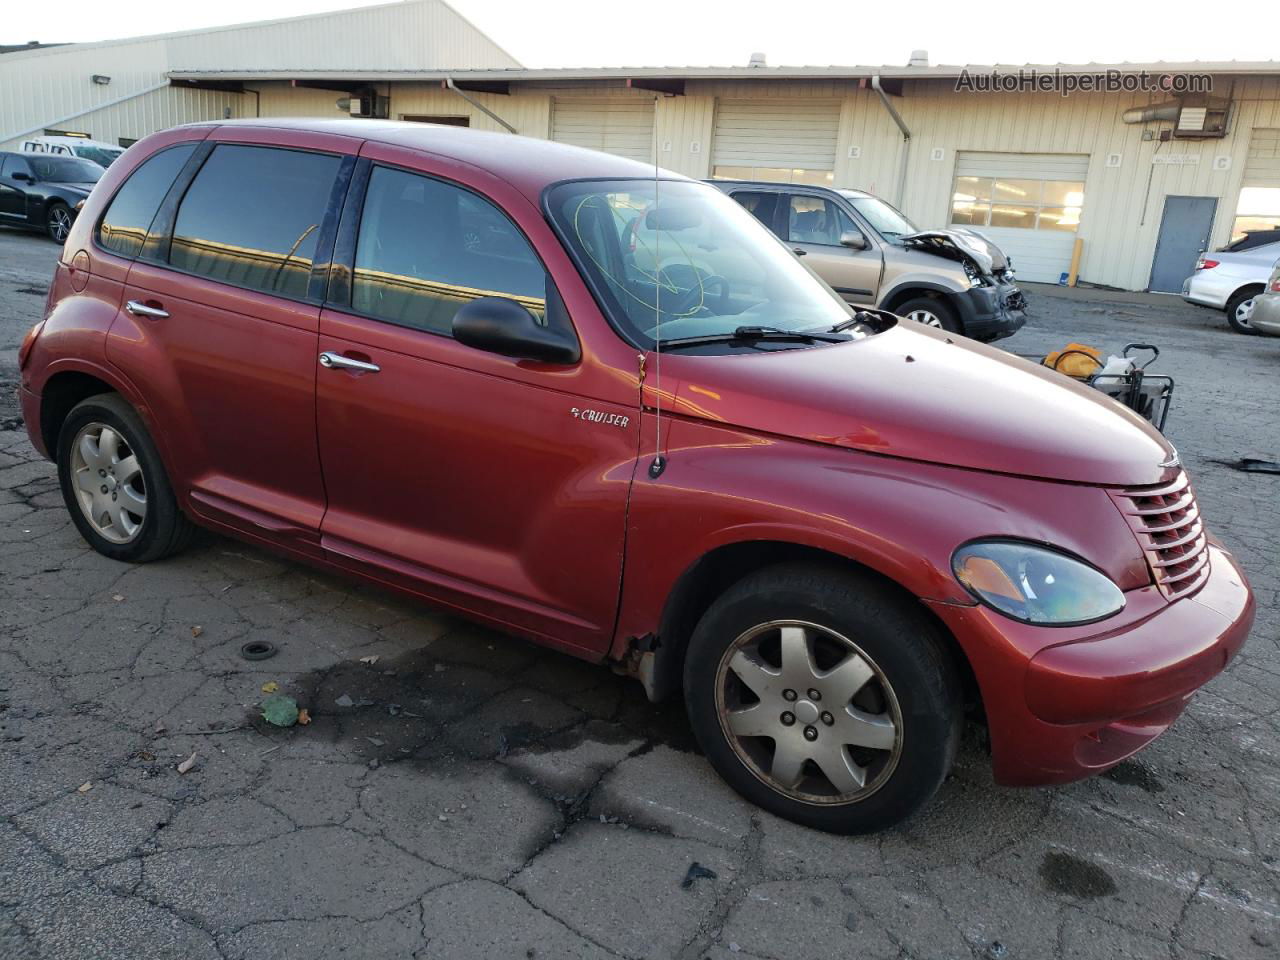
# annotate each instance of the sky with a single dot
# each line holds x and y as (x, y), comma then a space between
(568, 33)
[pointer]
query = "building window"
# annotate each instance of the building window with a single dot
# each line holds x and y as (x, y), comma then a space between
(448, 121)
(1258, 209)
(816, 178)
(1025, 204)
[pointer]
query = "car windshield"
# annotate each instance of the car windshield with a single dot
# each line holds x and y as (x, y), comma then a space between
(65, 169)
(676, 259)
(885, 219)
(102, 156)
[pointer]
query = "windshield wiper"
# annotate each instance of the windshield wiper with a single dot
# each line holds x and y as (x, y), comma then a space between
(862, 316)
(752, 334)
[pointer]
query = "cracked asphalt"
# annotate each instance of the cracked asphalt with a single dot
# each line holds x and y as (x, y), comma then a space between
(468, 795)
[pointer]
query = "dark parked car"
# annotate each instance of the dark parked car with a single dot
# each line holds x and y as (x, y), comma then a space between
(426, 356)
(44, 192)
(1254, 238)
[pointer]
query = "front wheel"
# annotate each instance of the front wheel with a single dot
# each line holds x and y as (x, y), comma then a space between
(822, 698)
(1240, 312)
(57, 221)
(931, 311)
(114, 484)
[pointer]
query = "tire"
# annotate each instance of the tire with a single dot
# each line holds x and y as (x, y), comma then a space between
(845, 632)
(57, 222)
(138, 516)
(931, 311)
(1240, 308)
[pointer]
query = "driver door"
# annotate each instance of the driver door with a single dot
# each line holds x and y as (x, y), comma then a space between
(814, 227)
(494, 485)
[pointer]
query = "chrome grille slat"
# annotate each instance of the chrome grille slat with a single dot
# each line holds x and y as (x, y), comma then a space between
(1182, 503)
(1166, 520)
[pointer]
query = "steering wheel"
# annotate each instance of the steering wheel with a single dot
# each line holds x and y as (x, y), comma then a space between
(686, 301)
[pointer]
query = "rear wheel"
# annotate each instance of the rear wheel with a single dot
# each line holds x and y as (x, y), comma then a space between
(114, 484)
(57, 221)
(823, 698)
(931, 311)
(1240, 311)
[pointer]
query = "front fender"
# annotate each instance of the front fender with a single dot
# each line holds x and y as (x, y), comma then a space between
(909, 285)
(900, 518)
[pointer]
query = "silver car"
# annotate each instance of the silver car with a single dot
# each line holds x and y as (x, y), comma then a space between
(1231, 281)
(1266, 307)
(872, 255)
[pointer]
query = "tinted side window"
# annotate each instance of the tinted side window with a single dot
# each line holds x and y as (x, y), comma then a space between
(762, 206)
(124, 226)
(425, 248)
(252, 215)
(14, 164)
(814, 220)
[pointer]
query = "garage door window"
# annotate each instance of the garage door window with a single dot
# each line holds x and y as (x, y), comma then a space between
(1258, 209)
(1027, 204)
(817, 178)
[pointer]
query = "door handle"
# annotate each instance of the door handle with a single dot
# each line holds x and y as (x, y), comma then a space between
(336, 361)
(142, 310)
(799, 251)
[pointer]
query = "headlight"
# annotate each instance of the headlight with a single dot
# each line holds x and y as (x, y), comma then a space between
(1034, 584)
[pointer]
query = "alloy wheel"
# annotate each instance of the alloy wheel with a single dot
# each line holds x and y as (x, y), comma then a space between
(108, 481)
(1244, 312)
(927, 317)
(60, 223)
(808, 712)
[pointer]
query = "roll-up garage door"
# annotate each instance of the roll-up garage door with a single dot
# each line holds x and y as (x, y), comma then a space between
(1259, 205)
(621, 125)
(1029, 204)
(1262, 169)
(790, 140)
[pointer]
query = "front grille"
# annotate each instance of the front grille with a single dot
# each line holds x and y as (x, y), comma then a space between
(1166, 521)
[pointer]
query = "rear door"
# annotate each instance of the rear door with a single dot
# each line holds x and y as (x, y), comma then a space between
(815, 225)
(220, 321)
(13, 192)
(494, 485)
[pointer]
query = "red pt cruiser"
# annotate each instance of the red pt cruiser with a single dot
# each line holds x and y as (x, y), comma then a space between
(534, 385)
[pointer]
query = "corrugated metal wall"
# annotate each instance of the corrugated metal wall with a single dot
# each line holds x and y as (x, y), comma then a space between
(53, 87)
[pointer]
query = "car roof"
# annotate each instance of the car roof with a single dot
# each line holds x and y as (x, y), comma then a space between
(529, 164)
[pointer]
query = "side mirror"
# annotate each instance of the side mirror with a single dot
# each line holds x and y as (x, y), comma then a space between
(853, 240)
(502, 326)
(23, 175)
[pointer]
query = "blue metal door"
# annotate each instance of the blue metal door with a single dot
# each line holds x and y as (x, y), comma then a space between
(1184, 235)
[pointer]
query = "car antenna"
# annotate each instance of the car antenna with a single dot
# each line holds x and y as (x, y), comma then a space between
(659, 461)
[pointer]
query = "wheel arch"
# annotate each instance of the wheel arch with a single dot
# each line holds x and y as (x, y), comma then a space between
(1245, 288)
(917, 288)
(658, 661)
(60, 394)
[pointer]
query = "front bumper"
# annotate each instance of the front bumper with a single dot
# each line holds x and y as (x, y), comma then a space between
(1063, 710)
(991, 312)
(1266, 314)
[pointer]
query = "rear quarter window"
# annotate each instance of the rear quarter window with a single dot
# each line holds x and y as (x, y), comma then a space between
(124, 226)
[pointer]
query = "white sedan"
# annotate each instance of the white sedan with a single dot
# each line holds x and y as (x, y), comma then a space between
(1230, 282)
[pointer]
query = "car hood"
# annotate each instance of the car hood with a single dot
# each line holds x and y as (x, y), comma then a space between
(960, 244)
(84, 188)
(920, 394)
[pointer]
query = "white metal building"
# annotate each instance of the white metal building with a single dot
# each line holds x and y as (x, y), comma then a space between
(1142, 179)
(120, 89)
